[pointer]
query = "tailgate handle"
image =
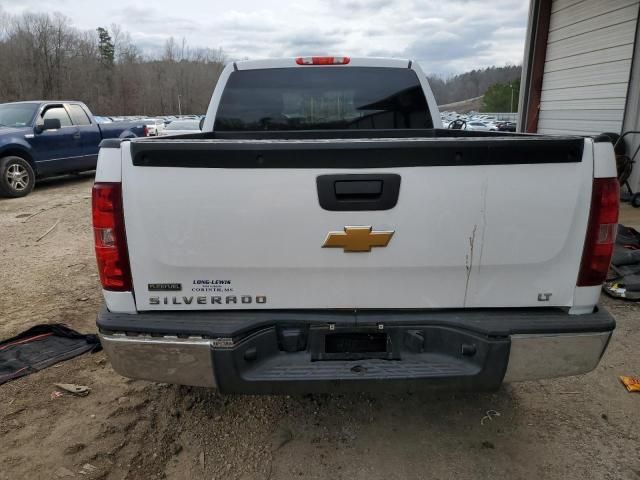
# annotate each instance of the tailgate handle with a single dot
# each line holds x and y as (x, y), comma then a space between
(352, 192)
(358, 189)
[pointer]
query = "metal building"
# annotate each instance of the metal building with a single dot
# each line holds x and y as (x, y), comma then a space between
(581, 69)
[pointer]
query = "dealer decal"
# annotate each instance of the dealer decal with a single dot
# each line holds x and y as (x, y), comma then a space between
(211, 286)
(164, 287)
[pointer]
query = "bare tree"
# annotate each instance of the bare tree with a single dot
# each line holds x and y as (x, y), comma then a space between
(471, 84)
(44, 56)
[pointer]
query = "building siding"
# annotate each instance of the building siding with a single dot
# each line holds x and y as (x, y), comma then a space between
(587, 66)
(632, 115)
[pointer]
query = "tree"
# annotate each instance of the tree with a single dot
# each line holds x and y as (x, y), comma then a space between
(501, 97)
(106, 47)
(471, 84)
(44, 56)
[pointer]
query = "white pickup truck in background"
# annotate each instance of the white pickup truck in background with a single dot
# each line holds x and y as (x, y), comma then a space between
(323, 233)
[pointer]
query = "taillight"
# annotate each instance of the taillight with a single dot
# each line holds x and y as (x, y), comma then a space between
(601, 232)
(323, 60)
(145, 130)
(110, 238)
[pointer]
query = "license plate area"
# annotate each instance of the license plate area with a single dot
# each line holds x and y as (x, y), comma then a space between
(353, 343)
(349, 344)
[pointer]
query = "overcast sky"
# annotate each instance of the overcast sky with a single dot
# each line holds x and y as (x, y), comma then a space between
(445, 36)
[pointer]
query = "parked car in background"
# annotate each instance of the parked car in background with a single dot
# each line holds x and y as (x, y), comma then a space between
(39, 139)
(154, 126)
(506, 127)
(478, 126)
(101, 119)
(179, 127)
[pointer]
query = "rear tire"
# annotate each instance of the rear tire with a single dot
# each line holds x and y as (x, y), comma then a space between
(17, 178)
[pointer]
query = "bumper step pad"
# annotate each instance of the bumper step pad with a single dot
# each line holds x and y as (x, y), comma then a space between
(257, 365)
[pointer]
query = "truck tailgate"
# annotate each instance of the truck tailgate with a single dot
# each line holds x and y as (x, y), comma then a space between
(241, 224)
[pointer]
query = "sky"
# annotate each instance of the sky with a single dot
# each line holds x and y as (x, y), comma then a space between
(445, 36)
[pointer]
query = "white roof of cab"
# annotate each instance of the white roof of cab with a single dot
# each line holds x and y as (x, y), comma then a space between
(354, 62)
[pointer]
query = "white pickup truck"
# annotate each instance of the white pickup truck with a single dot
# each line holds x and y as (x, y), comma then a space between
(324, 233)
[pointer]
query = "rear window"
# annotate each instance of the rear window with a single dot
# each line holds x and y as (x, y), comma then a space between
(78, 116)
(311, 98)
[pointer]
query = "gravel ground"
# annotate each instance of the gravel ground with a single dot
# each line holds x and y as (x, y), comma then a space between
(575, 428)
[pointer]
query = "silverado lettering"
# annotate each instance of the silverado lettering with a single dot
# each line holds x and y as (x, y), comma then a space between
(204, 300)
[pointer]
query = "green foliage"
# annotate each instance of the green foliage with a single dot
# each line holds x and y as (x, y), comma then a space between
(106, 47)
(471, 84)
(501, 97)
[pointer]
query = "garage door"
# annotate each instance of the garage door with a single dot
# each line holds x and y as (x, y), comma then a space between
(587, 67)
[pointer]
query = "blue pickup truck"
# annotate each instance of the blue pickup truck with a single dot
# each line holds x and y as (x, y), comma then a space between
(44, 138)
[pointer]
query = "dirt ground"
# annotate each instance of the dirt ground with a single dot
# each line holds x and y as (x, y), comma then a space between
(575, 428)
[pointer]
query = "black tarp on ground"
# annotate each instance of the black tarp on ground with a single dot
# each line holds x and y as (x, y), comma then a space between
(624, 277)
(40, 347)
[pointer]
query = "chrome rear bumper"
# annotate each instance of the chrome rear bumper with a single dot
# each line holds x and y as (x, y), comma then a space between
(187, 361)
(190, 361)
(534, 357)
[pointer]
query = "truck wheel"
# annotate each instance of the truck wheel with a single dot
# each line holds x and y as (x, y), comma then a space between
(16, 177)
